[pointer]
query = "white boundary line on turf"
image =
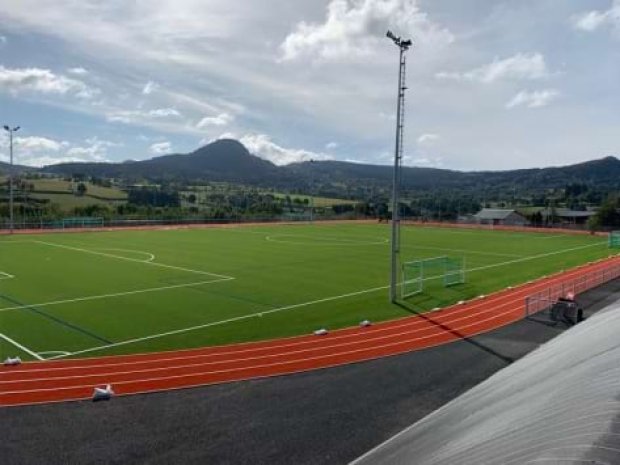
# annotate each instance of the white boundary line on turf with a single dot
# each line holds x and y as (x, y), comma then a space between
(21, 347)
(305, 304)
(4, 275)
(463, 251)
(150, 258)
(54, 352)
(119, 257)
(117, 294)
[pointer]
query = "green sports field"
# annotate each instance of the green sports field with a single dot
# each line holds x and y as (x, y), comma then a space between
(103, 293)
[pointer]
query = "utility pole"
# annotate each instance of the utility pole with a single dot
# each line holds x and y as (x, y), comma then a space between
(311, 194)
(11, 131)
(403, 46)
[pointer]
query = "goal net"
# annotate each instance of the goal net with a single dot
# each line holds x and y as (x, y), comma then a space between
(82, 222)
(614, 240)
(449, 270)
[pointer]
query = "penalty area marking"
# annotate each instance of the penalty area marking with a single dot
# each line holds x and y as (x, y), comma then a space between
(20, 346)
(150, 256)
(306, 304)
(120, 257)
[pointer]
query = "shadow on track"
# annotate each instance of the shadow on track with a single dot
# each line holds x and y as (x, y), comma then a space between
(411, 309)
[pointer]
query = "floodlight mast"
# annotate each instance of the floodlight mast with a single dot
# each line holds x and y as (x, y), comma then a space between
(11, 131)
(403, 45)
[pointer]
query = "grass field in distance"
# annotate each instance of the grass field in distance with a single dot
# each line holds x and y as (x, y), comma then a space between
(65, 294)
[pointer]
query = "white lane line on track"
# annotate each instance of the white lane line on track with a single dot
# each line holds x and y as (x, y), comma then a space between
(20, 346)
(269, 365)
(305, 304)
(410, 324)
(430, 326)
(116, 294)
(120, 257)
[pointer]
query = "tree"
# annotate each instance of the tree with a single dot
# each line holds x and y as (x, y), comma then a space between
(191, 198)
(81, 189)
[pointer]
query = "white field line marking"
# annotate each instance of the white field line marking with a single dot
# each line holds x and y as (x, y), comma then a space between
(119, 257)
(4, 275)
(406, 324)
(117, 294)
(336, 242)
(21, 347)
(150, 256)
(514, 304)
(267, 365)
(312, 302)
(54, 352)
(494, 254)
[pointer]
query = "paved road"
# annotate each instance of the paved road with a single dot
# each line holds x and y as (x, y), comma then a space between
(323, 417)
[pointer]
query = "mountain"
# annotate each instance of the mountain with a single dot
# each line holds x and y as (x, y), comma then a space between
(5, 168)
(228, 160)
(222, 160)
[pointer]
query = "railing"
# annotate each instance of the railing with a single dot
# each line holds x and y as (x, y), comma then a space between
(540, 301)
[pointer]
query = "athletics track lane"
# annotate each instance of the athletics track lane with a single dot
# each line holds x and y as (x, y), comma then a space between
(63, 380)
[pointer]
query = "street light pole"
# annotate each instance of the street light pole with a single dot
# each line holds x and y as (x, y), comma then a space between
(311, 194)
(403, 46)
(11, 131)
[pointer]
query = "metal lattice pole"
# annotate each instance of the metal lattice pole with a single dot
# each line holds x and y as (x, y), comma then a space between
(403, 46)
(11, 130)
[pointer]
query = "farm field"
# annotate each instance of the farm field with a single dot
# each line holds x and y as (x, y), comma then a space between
(90, 294)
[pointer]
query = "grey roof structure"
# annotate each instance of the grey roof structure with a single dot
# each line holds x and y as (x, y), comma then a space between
(567, 213)
(558, 405)
(493, 214)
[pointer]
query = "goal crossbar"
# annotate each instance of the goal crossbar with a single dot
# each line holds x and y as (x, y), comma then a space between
(414, 273)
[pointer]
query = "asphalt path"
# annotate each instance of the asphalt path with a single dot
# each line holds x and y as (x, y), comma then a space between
(328, 416)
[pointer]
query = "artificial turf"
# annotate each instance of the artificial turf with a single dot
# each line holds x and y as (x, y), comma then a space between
(74, 292)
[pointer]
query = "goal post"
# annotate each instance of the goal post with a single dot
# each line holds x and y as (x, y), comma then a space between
(450, 270)
(614, 240)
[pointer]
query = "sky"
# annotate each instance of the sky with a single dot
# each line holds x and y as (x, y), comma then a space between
(492, 84)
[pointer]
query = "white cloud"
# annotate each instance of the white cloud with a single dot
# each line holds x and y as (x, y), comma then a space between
(161, 148)
(534, 99)
(150, 87)
(41, 151)
(427, 138)
(223, 119)
(331, 145)
(78, 71)
(3, 40)
(163, 112)
(38, 144)
(354, 28)
(137, 116)
(530, 66)
(262, 146)
(592, 20)
(43, 81)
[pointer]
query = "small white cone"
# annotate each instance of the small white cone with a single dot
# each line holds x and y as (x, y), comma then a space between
(105, 393)
(12, 361)
(321, 332)
(365, 323)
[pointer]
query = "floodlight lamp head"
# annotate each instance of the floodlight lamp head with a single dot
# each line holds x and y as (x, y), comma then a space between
(6, 128)
(16, 128)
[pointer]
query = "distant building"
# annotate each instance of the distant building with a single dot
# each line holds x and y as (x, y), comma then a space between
(566, 216)
(500, 217)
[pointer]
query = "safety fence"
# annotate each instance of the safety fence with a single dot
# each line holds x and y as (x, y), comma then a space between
(544, 300)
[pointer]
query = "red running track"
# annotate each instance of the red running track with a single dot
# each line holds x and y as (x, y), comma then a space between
(74, 379)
